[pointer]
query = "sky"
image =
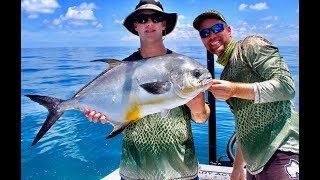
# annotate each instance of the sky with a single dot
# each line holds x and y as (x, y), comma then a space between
(98, 23)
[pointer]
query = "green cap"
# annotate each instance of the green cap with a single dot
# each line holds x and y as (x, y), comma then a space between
(207, 15)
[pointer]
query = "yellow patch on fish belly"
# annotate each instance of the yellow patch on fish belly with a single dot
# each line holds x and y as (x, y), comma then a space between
(133, 113)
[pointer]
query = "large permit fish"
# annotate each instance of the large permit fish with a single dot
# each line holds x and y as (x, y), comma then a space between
(129, 90)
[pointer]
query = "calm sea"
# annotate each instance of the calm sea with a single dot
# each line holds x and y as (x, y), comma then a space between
(75, 148)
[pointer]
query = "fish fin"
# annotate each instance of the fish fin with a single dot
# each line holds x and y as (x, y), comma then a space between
(117, 129)
(164, 113)
(112, 62)
(50, 103)
(157, 87)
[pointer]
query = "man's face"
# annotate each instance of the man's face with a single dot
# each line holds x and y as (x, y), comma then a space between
(149, 24)
(215, 39)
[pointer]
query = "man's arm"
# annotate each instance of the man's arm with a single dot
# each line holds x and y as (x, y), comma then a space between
(200, 111)
(238, 172)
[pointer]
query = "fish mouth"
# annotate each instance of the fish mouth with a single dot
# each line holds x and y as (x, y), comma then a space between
(206, 82)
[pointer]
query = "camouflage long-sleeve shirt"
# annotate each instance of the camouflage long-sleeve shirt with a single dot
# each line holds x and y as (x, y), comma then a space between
(270, 122)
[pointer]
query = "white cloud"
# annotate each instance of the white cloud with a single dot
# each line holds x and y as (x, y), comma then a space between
(243, 7)
(83, 12)
(183, 31)
(293, 37)
(78, 16)
(118, 21)
(270, 18)
(242, 29)
(259, 6)
(269, 26)
(180, 17)
(99, 25)
(35, 7)
(33, 16)
(56, 22)
(179, 24)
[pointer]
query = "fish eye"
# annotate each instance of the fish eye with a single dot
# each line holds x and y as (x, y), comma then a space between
(196, 73)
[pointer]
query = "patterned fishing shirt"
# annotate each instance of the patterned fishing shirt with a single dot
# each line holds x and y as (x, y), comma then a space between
(159, 148)
(270, 122)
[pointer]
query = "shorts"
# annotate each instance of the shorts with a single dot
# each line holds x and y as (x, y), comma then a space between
(281, 166)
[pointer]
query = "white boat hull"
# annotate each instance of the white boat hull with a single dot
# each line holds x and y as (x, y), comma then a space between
(206, 172)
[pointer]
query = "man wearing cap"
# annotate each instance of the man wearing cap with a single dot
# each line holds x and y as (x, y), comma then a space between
(156, 147)
(258, 87)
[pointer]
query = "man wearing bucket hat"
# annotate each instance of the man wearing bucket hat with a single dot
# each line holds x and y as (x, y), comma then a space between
(258, 87)
(156, 6)
(156, 147)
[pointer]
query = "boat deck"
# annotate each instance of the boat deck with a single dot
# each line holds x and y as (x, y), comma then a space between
(208, 172)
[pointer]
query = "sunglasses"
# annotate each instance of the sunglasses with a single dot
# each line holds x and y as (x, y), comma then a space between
(143, 18)
(215, 29)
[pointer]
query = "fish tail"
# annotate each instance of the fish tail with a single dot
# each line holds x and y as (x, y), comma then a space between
(51, 104)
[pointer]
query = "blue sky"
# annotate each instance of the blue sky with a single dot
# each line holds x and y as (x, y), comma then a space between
(98, 23)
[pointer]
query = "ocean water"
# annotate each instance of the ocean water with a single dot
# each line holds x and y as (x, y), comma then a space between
(75, 148)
